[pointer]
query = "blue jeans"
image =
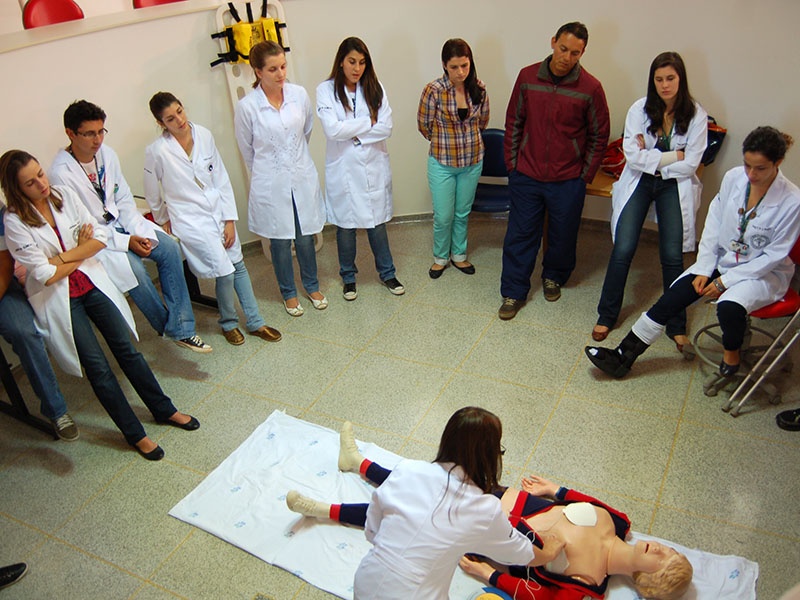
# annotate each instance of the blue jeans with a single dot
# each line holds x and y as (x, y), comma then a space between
(452, 193)
(238, 281)
(378, 241)
(281, 252)
(530, 199)
(664, 193)
(18, 329)
(176, 320)
(95, 307)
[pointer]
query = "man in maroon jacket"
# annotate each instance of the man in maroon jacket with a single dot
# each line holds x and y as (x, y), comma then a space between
(556, 131)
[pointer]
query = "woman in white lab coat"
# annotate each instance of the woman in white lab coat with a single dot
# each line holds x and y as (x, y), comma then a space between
(273, 126)
(190, 194)
(357, 120)
(424, 516)
(743, 259)
(51, 234)
(664, 140)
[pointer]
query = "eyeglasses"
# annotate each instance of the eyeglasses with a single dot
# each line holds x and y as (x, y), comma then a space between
(90, 135)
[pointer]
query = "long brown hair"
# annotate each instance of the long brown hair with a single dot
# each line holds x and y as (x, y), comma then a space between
(373, 92)
(471, 440)
(11, 163)
(457, 48)
(654, 106)
(259, 54)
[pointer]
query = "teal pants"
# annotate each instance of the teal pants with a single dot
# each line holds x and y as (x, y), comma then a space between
(452, 191)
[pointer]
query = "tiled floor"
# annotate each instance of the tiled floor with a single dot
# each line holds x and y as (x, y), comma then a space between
(91, 517)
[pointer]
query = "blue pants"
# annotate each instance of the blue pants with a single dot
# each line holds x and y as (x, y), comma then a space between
(281, 252)
(356, 513)
(95, 307)
(239, 282)
(664, 193)
(563, 202)
(18, 329)
(732, 316)
(378, 241)
(452, 193)
(176, 320)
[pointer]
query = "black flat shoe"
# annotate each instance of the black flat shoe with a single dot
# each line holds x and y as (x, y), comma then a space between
(190, 425)
(726, 370)
(436, 273)
(789, 420)
(156, 454)
(469, 269)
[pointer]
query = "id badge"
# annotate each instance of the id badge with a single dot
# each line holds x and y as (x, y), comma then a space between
(739, 247)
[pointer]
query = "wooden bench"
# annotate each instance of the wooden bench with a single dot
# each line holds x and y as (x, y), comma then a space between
(602, 182)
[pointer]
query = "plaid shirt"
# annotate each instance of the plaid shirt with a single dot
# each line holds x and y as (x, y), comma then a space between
(454, 143)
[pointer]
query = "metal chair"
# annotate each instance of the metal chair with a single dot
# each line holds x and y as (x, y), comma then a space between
(758, 360)
(38, 13)
(492, 197)
(788, 306)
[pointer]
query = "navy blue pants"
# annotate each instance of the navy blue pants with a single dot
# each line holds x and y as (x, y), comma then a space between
(530, 199)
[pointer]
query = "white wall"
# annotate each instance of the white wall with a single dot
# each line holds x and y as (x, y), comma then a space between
(741, 57)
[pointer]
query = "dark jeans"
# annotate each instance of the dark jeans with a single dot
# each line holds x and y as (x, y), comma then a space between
(378, 241)
(732, 316)
(95, 307)
(664, 193)
(563, 202)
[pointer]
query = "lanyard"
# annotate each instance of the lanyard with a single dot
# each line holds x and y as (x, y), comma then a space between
(746, 216)
(97, 185)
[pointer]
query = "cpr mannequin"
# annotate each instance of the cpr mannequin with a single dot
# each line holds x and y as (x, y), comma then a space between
(589, 546)
(579, 541)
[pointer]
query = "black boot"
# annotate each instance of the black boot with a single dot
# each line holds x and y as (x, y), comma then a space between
(619, 361)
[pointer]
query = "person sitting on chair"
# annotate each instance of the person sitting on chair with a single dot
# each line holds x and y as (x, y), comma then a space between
(743, 260)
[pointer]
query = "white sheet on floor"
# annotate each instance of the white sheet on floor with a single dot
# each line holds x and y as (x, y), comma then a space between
(243, 502)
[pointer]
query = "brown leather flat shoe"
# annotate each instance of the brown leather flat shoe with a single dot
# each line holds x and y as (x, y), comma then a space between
(268, 334)
(600, 332)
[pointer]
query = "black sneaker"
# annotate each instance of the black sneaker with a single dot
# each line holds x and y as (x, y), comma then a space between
(395, 286)
(551, 289)
(65, 428)
(195, 344)
(349, 291)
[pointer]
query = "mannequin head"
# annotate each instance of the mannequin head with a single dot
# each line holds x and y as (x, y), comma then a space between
(471, 440)
(670, 582)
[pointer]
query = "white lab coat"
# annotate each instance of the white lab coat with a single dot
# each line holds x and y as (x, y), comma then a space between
(195, 196)
(66, 171)
(763, 275)
(274, 145)
(637, 161)
(32, 247)
(421, 520)
(358, 178)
